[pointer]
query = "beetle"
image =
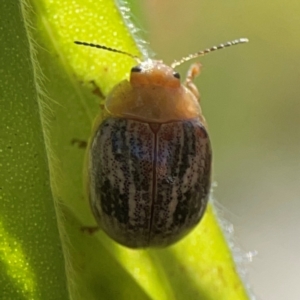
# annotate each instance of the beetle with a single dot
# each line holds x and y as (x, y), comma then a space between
(149, 158)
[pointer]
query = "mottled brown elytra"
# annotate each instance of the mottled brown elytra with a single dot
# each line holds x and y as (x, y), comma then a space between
(149, 158)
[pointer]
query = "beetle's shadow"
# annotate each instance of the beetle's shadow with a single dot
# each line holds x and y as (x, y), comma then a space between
(175, 271)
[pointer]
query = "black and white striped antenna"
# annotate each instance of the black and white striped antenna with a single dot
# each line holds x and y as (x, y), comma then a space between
(208, 50)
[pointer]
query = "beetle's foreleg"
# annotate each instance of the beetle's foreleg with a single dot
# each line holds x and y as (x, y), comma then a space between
(193, 72)
(90, 229)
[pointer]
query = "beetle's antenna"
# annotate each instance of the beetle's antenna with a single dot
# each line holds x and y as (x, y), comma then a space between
(136, 58)
(208, 50)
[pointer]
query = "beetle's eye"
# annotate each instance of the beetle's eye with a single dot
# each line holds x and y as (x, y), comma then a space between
(136, 69)
(176, 75)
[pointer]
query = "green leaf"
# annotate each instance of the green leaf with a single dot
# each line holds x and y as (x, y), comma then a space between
(31, 257)
(198, 267)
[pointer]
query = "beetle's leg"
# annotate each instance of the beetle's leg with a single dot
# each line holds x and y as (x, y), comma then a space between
(193, 72)
(90, 229)
(97, 90)
(80, 143)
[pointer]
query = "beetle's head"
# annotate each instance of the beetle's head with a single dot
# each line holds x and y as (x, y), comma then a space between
(154, 73)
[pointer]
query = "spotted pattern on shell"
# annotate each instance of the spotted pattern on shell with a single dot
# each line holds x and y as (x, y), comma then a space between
(149, 183)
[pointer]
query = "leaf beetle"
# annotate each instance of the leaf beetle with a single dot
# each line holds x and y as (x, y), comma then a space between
(149, 159)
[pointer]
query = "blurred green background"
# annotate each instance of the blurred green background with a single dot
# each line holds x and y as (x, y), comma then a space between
(251, 100)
